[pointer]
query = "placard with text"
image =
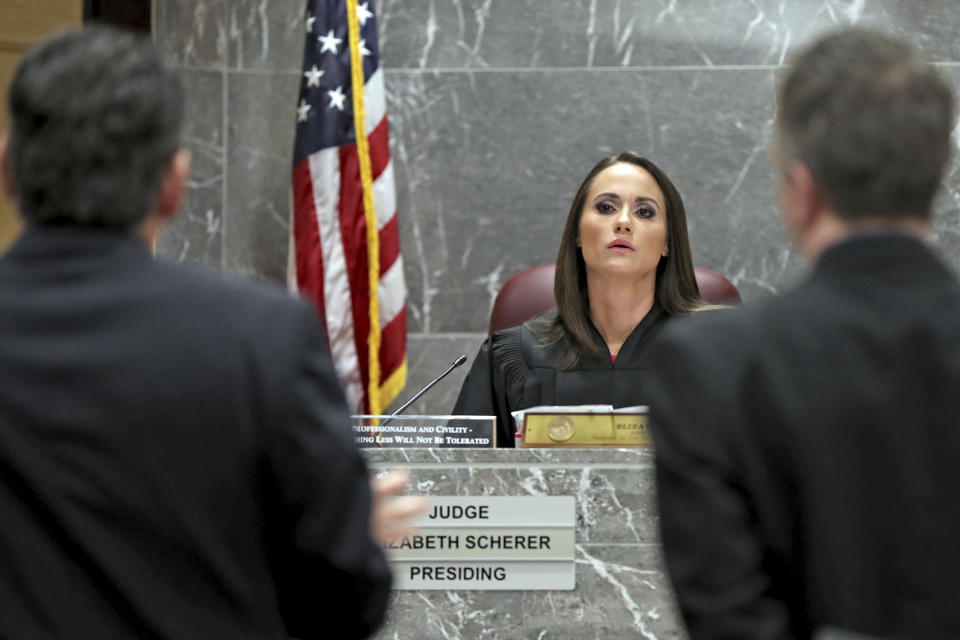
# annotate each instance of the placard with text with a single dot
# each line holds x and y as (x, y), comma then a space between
(489, 543)
(425, 432)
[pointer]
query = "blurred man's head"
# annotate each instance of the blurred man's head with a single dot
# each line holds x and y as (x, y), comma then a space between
(95, 130)
(862, 131)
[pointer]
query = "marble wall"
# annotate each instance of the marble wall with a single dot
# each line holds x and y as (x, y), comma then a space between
(497, 111)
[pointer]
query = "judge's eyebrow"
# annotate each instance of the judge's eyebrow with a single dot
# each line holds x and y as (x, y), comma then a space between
(606, 194)
(649, 200)
(638, 200)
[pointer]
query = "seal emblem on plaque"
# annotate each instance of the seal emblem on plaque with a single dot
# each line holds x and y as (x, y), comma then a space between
(561, 428)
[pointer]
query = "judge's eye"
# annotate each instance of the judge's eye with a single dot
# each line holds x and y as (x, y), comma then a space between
(645, 212)
(605, 206)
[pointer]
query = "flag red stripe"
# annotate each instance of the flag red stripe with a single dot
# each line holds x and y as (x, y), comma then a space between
(379, 141)
(394, 347)
(389, 245)
(353, 231)
(308, 250)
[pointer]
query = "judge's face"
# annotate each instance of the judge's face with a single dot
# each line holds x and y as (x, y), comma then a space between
(623, 225)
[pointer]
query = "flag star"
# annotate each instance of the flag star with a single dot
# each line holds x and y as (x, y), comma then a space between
(363, 47)
(302, 111)
(363, 13)
(336, 98)
(330, 43)
(309, 22)
(313, 76)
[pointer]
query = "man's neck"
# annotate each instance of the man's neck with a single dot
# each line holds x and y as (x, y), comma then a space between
(148, 232)
(833, 230)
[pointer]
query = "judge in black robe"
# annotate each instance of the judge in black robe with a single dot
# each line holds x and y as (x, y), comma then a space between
(514, 370)
(623, 268)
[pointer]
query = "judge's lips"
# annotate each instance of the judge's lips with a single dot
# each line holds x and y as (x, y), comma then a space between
(620, 246)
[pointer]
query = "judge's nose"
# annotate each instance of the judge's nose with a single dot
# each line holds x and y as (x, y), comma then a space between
(622, 221)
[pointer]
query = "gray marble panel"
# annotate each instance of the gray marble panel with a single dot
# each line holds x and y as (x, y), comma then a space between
(266, 35)
(557, 457)
(621, 588)
(191, 33)
(946, 222)
(622, 593)
(427, 357)
(612, 33)
(259, 155)
(487, 163)
(261, 113)
(615, 501)
(196, 235)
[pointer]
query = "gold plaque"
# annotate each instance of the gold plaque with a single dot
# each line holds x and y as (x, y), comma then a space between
(561, 428)
(614, 429)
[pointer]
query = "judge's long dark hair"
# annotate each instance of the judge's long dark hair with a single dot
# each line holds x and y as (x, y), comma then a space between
(676, 291)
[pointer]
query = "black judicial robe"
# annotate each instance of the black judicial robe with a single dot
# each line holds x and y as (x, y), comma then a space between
(514, 371)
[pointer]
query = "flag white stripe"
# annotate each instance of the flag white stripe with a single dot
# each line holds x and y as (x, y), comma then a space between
(374, 103)
(325, 176)
(384, 196)
(392, 293)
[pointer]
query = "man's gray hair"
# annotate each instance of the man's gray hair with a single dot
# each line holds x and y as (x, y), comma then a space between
(871, 120)
(96, 118)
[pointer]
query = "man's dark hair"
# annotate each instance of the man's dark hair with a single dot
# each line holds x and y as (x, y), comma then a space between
(96, 118)
(871, 121)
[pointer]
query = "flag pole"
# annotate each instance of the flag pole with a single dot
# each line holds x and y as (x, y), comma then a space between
(366, 181)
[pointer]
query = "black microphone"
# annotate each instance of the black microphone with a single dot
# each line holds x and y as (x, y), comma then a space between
(456, 363)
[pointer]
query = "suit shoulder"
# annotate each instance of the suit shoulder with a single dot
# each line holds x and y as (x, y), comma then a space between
(196, 296)
(208, 286)
(736, 332)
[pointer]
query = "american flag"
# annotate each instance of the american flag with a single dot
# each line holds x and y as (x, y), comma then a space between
(342, 185)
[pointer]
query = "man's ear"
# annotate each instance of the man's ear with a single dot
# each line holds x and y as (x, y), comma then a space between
(6, 172)
(801, 199)
(173, 186)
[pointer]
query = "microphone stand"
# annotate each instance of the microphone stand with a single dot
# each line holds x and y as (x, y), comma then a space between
(456, 363)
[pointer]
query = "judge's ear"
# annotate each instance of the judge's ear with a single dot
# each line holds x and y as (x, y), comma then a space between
(6, 172)
(173, 186)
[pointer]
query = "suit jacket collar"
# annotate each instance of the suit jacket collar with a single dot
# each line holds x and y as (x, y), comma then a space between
(64, 244)
(890, 257)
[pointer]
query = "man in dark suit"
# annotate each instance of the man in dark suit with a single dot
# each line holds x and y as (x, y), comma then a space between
(176, 458)
(808, 446)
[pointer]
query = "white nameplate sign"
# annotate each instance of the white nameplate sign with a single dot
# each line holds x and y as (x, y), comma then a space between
(487, 576)
(525, 544)
(489, 543)
(499, 511)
